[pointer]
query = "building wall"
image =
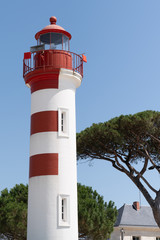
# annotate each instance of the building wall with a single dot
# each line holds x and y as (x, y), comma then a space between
(144, 233)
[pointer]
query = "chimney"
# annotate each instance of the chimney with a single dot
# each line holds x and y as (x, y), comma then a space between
(136, 206)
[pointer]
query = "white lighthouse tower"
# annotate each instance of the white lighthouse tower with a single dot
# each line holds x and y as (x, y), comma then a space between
(53, 73)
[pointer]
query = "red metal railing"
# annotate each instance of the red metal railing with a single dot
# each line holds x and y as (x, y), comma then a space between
(49, 59)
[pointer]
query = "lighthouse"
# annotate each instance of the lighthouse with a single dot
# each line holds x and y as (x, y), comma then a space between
(53, 73)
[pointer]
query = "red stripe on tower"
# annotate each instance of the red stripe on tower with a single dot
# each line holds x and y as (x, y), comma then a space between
(45, 121)
(43, 79)
(46, 81)
(43, 164)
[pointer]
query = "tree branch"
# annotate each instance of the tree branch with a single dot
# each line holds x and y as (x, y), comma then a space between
(143, 190)
(154, 138)
(98, 156)
(151, 160)
(131, 169)
(146, 182)
(144, 167)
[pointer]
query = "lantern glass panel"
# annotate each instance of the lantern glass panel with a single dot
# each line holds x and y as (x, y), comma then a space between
(55, 41)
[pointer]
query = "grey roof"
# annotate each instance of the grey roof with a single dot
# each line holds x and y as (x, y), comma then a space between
(129, 216)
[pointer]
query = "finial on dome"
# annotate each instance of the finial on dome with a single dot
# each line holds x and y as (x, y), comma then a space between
(53, 20)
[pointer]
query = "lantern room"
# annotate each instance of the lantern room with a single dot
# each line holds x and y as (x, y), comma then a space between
(53, 37)
(51, 53)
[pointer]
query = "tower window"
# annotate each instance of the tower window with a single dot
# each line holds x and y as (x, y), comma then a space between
(63, 205)
(63, 122)
(64, 209)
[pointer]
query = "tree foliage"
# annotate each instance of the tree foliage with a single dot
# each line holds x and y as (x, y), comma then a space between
(125, 141)
(96, 218)
(93, 213)
(13, 213)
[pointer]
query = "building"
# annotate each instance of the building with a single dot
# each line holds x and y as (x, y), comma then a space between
(135, 222)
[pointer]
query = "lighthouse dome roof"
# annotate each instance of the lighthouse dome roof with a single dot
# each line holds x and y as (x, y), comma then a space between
(53, 28)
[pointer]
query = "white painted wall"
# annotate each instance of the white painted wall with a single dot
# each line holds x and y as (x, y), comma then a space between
(44, 190)
(143, 232)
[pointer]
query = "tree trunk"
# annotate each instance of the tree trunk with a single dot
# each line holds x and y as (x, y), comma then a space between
(156, 208)
(154, 204)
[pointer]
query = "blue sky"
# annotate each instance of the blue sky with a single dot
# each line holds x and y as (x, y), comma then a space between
(121, 39)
